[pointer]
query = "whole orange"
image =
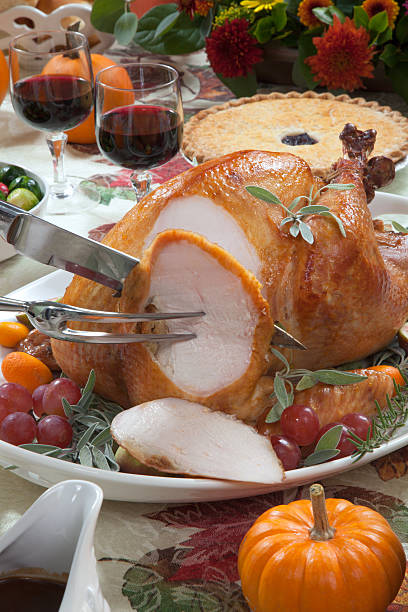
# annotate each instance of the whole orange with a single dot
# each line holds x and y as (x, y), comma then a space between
(4, 76)
(85, 132)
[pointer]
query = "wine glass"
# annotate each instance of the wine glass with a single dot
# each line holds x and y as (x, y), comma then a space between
(139, 122)
(51, 85)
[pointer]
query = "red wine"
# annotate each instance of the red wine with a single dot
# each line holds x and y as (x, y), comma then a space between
(29, 594)
(140, 137)
(53, 102)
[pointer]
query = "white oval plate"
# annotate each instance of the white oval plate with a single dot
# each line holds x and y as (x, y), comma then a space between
(47, 471)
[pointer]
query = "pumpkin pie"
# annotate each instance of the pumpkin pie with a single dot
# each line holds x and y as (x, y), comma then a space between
(307, 125)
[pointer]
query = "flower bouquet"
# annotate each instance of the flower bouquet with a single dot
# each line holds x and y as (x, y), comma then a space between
(339, 43)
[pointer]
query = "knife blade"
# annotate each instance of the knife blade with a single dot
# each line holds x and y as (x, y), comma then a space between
(55, 246)
(52, 245)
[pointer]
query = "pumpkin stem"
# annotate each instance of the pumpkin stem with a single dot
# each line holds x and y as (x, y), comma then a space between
(74, 27)
(321, 530)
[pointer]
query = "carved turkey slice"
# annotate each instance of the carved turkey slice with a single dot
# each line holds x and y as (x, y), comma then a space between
(222, 365)
(180, 437)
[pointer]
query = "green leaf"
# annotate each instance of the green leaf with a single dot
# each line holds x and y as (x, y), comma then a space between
(274, 414)
(306, 382)
(99, 459)
(280, 16)
(390, 55)
(102, 437)
(378, 23)
(296, 201)
(86, 436)
(336, 377)
(125, 28)
(320, 457)
(302, 75)
(401, 31)
(41, 449)
(85, 456)
(263, 194)
(400, 228)
(294, 229)
(330, 439)
(282, 358)
(166, 24)
(323, 14)
(312, 209)
(384, 36)
(67, 407)
(105, 14)
(339, 186)
(188, 37)
(360, 17)
(264, 29)
(306, 232)
(280, 391)
(241, 86)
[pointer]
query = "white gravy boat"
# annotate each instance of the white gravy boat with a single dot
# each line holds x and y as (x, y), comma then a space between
(57, 534)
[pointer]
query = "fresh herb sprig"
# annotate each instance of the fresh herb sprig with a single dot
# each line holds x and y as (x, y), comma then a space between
(296, 219)
(92, 442)
(284, 388)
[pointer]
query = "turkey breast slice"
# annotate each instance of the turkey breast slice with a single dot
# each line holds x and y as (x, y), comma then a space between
(182, 271)
(178, 436)
(201, 215)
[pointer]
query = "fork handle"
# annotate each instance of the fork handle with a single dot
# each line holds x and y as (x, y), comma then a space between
(11, 304)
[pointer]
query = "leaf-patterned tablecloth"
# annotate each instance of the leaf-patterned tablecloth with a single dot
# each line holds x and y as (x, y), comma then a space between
(182, 558)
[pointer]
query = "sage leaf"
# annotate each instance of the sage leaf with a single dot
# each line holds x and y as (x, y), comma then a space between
(286, 220)
(320, 456)
(67, 407)
(85, 456)
(337, 377)
(264, 195)
(400, 228)
(281, 357)
(296, 201)
(306, 232)
(330, 439)
(100, 459)
(306, 382)
(125, 28)
(40, 448)
(280, 391)
(338, 221)
(86, 436)
(340, 186)
(10, 467)
(294, 229)
(312, 209)
(274, 414)
(102, 437)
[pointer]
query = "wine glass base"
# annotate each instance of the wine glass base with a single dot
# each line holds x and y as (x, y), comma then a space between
(77, 196)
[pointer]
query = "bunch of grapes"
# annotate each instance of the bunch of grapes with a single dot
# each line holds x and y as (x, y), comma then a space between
(26, 418)
(301, 432)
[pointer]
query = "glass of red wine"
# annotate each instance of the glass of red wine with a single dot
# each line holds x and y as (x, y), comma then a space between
(139, 118)
(51, 85)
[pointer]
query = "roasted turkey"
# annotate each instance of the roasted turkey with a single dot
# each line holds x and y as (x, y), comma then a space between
(206, 244)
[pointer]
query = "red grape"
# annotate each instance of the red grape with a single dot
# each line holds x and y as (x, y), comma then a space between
(4, 409)
(358, 423)
(17, 397)
(300, 423)
(287, 450)
(54, 430)
(18, 428)
(38, 395)
(57, 389)
(345, 446)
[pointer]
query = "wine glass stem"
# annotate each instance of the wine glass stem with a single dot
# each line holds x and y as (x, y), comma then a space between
(56, 144)
(141, 182)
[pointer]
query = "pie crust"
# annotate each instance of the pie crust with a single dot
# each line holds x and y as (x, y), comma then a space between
(260, 122)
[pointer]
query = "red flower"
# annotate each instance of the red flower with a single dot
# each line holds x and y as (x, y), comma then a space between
(231, 50)
(343, 56)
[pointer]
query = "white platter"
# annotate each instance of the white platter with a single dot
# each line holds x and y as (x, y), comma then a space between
(47, 471)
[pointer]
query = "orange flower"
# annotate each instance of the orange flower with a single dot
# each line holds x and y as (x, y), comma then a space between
(372, 7)
(202, 7)
(343, 56)
(305, 12)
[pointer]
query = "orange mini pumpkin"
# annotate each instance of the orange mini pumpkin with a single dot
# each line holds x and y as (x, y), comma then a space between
(309, 557)
(85, 132)
(4, 76)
